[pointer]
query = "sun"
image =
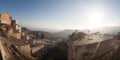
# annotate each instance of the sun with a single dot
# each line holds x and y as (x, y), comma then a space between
(95, 19)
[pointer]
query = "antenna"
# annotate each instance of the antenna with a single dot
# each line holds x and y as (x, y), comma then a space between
(88, 34)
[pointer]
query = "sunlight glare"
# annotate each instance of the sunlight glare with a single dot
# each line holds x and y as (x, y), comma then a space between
(95, 19)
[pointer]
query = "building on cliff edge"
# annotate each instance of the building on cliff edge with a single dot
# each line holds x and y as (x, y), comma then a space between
(10, 26)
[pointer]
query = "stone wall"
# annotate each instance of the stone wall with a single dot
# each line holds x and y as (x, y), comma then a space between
(5, 18)
(17, 35)
(37, 48)
(25, 50)
(100, 50)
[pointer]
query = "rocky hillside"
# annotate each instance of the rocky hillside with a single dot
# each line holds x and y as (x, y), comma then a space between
(113, 30)
(36, 34)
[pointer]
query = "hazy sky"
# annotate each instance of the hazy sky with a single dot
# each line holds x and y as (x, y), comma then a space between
(63, 14)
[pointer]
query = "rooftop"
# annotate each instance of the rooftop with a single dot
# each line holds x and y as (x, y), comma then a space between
(92, 39)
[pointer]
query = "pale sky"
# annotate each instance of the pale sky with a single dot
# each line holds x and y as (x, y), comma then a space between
(63, 14)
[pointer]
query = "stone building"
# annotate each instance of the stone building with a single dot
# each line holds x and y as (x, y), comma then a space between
(9, 26)
(5, 18)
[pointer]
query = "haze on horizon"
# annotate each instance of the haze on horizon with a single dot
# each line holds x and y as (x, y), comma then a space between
(63, 14)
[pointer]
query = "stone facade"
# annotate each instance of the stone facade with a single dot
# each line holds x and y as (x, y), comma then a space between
(9, 26)
(5, 18)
